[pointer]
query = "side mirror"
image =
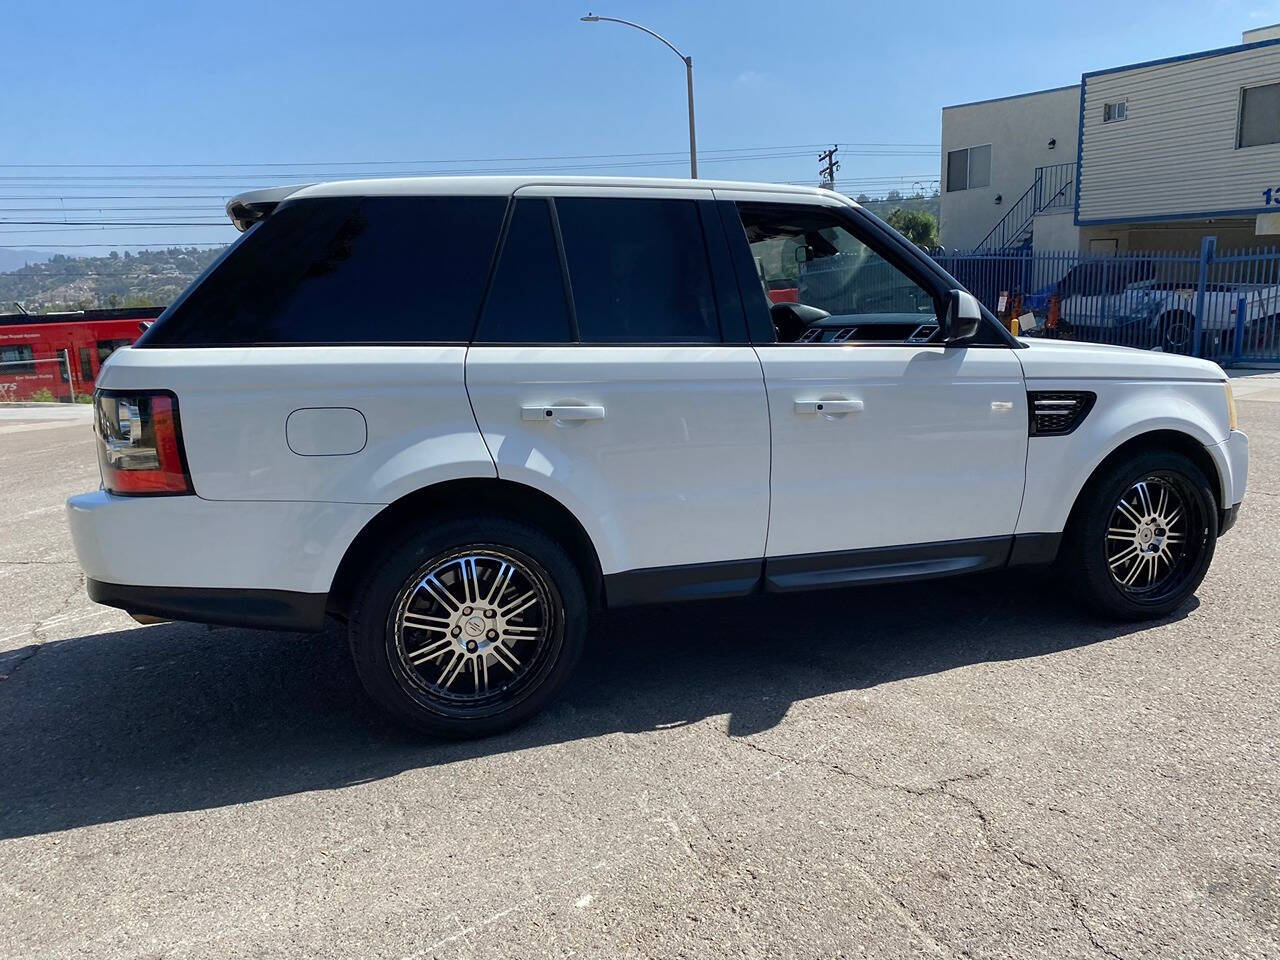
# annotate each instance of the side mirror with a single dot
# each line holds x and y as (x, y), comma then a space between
(962, 319)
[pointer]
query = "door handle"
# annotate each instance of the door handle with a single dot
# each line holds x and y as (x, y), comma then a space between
(553, 411)
(829, 406)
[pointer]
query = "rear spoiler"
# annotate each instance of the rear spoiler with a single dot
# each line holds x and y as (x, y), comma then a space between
(248, 208)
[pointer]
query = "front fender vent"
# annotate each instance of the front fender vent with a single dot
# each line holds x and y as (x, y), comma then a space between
(1056, 413)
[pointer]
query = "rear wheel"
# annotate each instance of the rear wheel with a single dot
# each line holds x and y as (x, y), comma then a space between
(470, 627)
(1143, 536)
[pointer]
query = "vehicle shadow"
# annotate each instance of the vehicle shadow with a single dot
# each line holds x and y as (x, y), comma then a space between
(174, 717)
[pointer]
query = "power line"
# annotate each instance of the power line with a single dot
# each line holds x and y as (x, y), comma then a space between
(679, 154)
(134, 181)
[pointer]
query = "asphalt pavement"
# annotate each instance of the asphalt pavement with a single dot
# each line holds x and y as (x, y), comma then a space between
(969, 769)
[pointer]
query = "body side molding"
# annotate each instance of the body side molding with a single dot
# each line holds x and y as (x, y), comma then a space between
(738, 578)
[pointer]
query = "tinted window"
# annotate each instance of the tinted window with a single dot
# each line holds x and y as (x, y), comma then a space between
(639, 270)
(345, 270)
(526, 303)
(86, 364)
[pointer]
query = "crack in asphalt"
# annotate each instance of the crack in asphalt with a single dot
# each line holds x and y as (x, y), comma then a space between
(944, 789)
(36, 630)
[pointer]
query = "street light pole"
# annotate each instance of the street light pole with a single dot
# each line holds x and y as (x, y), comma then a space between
(688, 67)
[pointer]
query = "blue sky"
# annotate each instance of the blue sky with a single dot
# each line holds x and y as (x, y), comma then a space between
(127, 82)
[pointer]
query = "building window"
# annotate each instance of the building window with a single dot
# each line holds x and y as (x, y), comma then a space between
(969, 168)
(1259, 115)
(17, 359)
(1117, 110)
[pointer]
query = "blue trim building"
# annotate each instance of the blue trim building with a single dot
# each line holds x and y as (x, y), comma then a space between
(1166, 152)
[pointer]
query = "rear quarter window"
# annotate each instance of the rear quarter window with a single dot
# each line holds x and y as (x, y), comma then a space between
(345, 270)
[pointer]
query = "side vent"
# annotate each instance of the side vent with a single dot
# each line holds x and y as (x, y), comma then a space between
(1056, 414)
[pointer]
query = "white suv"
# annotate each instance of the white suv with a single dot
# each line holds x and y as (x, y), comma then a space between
(460, 414)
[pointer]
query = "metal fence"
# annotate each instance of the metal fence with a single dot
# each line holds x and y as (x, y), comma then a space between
(1220, 304)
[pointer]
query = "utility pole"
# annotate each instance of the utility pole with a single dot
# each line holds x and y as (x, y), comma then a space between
(829, 167)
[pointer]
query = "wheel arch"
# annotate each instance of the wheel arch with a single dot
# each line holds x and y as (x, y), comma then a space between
(517, 501)
(1160, 439)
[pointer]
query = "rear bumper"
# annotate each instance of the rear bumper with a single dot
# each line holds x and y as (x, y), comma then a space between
(267, 609)
(251, 563)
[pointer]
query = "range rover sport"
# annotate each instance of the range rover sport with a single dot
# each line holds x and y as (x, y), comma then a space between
(460, 414)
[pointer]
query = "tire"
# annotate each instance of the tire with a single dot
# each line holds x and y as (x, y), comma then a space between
(441, 641)
(1163, 554)
(1177, 331)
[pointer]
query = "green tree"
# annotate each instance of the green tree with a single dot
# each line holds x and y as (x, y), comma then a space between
(918, 226)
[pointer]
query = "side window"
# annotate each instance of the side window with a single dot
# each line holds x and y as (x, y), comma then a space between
(639, 270)
(526, 303)
(86, 364)
(805, 255)
(345, 270)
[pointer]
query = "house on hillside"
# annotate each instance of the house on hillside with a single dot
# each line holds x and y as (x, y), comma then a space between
(1148, 156)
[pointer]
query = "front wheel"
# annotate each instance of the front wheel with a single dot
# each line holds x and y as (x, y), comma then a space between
(468, 627)
(1143, 536)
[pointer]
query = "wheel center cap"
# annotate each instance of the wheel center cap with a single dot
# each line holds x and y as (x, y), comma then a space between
(474, 627)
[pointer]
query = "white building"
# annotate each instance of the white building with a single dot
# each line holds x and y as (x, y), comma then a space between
(1149, 156)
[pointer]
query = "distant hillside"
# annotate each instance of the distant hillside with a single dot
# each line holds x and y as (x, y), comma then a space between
(11, 259)
(146, 278)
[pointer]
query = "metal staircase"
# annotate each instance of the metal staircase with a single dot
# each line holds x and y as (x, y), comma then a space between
(1050, 189)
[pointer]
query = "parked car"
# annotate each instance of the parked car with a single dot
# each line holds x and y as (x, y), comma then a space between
(602, 408)
(1120, 300)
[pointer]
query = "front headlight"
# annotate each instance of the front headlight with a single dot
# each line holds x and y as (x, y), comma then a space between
(1232, 422)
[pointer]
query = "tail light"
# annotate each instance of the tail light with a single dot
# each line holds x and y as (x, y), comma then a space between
(140, 443)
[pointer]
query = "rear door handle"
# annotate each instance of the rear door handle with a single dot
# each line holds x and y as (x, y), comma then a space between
(562, 412)
(829, 406)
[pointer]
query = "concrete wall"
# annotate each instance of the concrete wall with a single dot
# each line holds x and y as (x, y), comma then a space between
(1055, 231)
(1174, 154)
(1018, 129)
